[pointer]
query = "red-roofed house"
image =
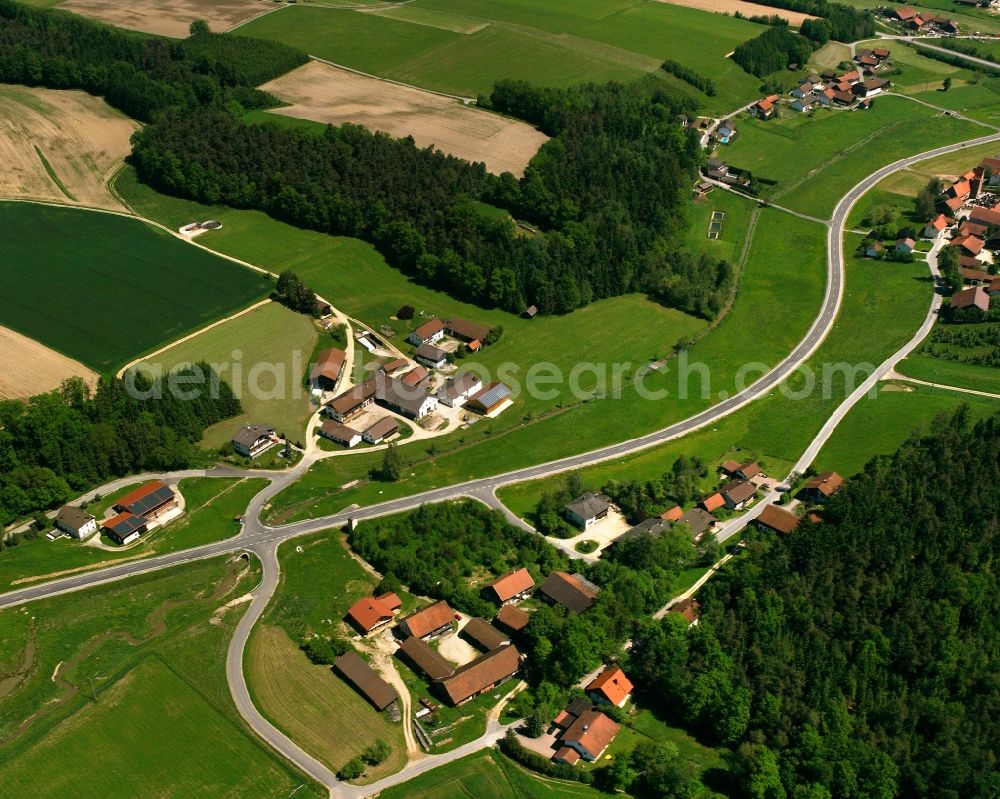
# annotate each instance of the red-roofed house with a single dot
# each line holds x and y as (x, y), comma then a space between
(672, 515)
(611, 686)
(971, 244)
(713, 502)
(766, 108)
(935, 226)
(589, 735)
(511, 587)
(370, 614)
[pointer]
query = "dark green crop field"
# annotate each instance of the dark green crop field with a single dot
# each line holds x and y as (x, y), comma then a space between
(104, 289)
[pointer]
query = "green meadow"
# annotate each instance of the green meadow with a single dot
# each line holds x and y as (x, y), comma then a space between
(103, 289)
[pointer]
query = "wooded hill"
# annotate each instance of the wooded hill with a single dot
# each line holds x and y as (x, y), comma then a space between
(859, 655)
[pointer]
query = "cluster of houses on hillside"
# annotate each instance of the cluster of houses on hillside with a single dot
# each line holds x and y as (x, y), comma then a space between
(970, 221)
(150, 505)
(924, 22)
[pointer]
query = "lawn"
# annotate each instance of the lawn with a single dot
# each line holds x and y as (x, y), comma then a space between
(464, 47)
(879, 426)
(924, 366)
(263, 355)
(816, 159)
(486, 775)
(212, 503)
(322, 713)
(103, 289)
(124, 687)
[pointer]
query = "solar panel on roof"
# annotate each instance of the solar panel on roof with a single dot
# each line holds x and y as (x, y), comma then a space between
(494, 395)
(151, 501)
(129, 525)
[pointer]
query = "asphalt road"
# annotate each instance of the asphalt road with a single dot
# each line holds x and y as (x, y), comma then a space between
(263, 539)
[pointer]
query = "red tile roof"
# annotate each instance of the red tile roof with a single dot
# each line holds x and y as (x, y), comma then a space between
(713, 502)
(368, 613)
(612, 684)
(673, 514)
(512, 584)
(781, 521)
(592, 731)
(428, 619)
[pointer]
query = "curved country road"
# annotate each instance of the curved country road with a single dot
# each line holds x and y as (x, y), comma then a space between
(263, 539)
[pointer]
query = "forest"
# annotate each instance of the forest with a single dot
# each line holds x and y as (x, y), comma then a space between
(774, 50)
(61, 443)
(859, 654)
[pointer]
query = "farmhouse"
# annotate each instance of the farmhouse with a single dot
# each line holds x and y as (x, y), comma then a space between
(968, 228)
(352, 402)
(587, 509)
(823, 486)
(611, 686)
(253, 439)
(384, 429)
(512, 618)
(777, 519)
(425, 659)
(428, 622)
(386, 391)
(985, 216)
(689, 609)
(766, 108)
(365, 680)
(427, 333)
(935, 226)
(340, 433)
(464, 330)
(458, 389)
(75, 522)
(151, 500)
(327, 369)
(491, 400)
(511, 587)
(572, 591)
(482, 674)
(483, 635)
(870, 87)
(587, 737)
(370, 614)
(125, 528)
(429, 355)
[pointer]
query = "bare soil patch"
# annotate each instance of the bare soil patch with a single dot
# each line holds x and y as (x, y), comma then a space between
(28, 368)
(324, 93)
(61, 146)
(745, 8)
(170, 17)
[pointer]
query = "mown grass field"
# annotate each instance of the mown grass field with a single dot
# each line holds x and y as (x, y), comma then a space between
(486, 775)
(879, 426)
(815, 160)
(320, 711)
(212, 503)
(263, 355)
(103, 289)
(162, 722)
(464, 47)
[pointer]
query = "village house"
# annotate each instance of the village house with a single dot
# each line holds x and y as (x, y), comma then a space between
(699, 521)
(803, 104)
(490, 401)
(954, 204)
(672, 514)
(611, 686)
(253, 439)
(457, 390)
(587, 509)
(985, 216)
(777, 519)
(340, 433)
(327, 370)
(352, 402)
(388, 392)
(429, 622)
(969, 244)
(766, 108)
(483, 674)
(365, 680)
(572, 591)
(431, 356)
(905, 246)
(384, 429)
(393, 366)
(483, 635)
(75, 522)
(717, 169)
(688, 609)
(821, 487)
(967, 228)
(975, 276)
(739, 495)
(975, 297)
(512, 618)
(417, 377)
(725, 133)
(511, 587)
(371, 614)
(712, 502)
(587, 737)
(427, 333)
(935, 227)
(425, 659)
(870, 87)
(652, 528)
(873, 249)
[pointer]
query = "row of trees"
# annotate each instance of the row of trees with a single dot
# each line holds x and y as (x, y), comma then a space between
(689, 76)
(137, 74)
(857, 657)
(61, 443)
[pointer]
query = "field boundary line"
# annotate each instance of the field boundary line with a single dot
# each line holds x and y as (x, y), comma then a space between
(464, 100)
(894, 375)
(258, 16)
(190, 336)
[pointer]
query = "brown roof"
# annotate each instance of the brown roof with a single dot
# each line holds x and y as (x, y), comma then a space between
(394, 365)
(688, 608)
(988, 216)
(968, 228)
(827, 483)
(72, 517)
(975, 297)
(329, 364)
(750, 469)
(969, 244)
(713, 502)
(367, 613)
(354, 396)
(741, 492)
(781, 521)
(337, 431)
(428, 619)
(415, 376)
(463, 328)
(954, 203)
(482, 673)
(612, 684)
(513, 618)
(365, 680)
(428, 329)
(905, 13)
(484, 634)
(567, 755)
(730, 466)
(698, 519)
(569, 590)
(384, 427)
(141, 500)
(974, 275)
(512, 584)
(426, 658)
(593, 731)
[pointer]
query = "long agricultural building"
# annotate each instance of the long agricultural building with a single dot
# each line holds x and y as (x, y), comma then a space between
(387, 392)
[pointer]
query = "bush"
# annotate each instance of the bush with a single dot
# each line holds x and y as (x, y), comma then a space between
(323, 650)
(376, 753)
(352, 770)
(513, 748)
